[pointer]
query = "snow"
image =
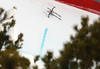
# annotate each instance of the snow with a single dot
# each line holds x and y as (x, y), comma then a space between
(10, 13)
(12, 33)
(31, 20)
(0, 27)
(30, 57)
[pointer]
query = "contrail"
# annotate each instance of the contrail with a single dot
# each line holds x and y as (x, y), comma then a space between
(43, 41)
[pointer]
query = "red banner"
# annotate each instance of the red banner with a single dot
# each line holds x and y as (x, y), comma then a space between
(88, 5)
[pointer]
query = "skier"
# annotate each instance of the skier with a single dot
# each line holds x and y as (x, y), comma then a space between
(51, 12)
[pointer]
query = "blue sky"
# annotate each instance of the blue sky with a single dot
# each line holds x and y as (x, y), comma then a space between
(31, 20)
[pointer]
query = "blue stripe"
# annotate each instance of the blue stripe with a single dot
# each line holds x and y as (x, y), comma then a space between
(25, 52)
(43, 41)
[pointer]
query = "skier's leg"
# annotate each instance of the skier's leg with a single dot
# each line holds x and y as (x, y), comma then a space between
(52, 14)
(48, 15)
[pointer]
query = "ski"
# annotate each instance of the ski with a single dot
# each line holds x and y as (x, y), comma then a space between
(55, 16)
(54, 12)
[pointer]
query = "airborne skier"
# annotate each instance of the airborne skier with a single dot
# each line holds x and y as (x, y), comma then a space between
(51, 12)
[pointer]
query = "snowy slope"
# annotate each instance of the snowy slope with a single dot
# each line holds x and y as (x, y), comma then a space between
(31, 20)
